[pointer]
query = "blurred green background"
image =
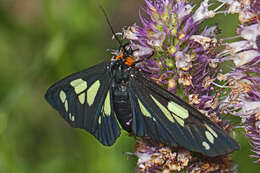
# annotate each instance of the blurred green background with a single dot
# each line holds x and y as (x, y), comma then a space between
(42, 41)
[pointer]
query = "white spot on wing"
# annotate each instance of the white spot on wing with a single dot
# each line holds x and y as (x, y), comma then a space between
(92, 92)
(211, 131)
(107, 105)
(206, 145)
(178, 110)
(62, 96)
(163, 109)
(82, 98)
(144, 110)
(209, 137)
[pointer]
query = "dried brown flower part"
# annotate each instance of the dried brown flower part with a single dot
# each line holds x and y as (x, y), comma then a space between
(241, 86)
(218, 164)
(257, 116)
(194, 99)
(171, 83)
(207, 82)
(221, 77)
(160, 157)
(185, 79)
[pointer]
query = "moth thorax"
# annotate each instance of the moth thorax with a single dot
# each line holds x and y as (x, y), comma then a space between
(121, 74)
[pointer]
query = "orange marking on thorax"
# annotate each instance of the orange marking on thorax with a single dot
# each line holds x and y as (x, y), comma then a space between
(129, 61)
(120, 56)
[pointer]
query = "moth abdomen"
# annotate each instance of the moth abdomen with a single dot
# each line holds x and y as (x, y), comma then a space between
(122, 107)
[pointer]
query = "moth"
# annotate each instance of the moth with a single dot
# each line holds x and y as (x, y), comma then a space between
(116, 93)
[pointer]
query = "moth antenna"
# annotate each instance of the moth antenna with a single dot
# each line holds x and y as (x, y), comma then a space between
(109, 24)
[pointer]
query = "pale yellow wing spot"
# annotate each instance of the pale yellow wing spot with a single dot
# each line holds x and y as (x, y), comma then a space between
(107, 105)
(144, 110)
(163, 109)
(62, 96)
(92, 92)
(80, 88)
(99, 120)
(79, 85)
(76, 82)
(211, 131)
(66, 106)
(81, 98)
(209, 137)
(179, 120)
(72, 118)
(205, 145)
(178, 110)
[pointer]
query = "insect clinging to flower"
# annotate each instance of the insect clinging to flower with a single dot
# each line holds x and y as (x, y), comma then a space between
(117, 93)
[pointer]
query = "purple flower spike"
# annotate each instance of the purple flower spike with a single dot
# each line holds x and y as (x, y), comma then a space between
(243, 99)
(185, 59)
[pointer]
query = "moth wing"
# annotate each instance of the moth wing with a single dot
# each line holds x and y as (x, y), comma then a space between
(84, 100)
(163, 116)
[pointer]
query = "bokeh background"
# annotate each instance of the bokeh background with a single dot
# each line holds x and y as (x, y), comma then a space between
(42, 41)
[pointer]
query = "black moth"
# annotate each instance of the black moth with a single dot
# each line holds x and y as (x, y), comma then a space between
(113, 93)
